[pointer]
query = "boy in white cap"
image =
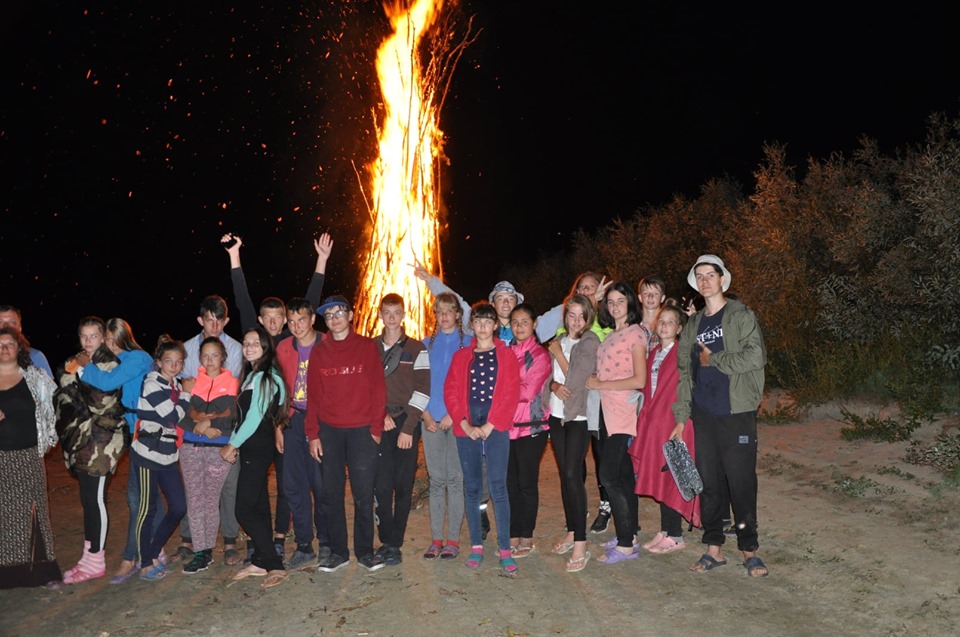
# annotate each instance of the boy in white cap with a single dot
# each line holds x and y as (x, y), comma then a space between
(721, 357)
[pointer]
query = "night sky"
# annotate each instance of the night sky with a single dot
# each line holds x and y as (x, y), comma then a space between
(132, 137)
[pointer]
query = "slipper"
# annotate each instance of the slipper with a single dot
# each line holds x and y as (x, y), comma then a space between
(274, 578)
(509, 566)
(656, 539)
(612, 543)
(575, 566)
(521, 551)
(474, 560)
(433, 552)
(613, 556)
(563, 548)
(753, 565)
(249, 571)
(232, 557)
(158, 571)
(449, 552)
(706, 563)
(667, 545)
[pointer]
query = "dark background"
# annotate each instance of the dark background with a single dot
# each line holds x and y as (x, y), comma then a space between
(132, 137)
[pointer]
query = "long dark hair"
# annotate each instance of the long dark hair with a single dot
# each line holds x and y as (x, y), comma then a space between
(271, 380)
(634, 314)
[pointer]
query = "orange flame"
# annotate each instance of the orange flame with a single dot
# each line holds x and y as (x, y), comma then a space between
(405, 201)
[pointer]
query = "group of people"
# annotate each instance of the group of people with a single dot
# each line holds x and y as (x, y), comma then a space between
(612, 369)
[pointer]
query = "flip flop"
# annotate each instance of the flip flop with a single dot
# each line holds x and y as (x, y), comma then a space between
(754, 564)
(274, 578)
(575, 566)
(613, 556)
(563, 548)
(521, 551)
(125, 577)
(706, 563)
(249, 571)
(232, 557)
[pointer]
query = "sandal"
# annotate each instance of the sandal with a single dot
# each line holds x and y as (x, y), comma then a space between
(667, 545)
(474, 559)
(508, 567)
(231, 556)
(563, 548)
(123, 578)
(183, 554)
(521, 550)
(158, 571)
(706, 563)
(577, 565)
(449, 552)
(250, 571)
(754, 565)
(613, 556)
(656, 539)
(433, 552)
(612, 543)
(274, 578)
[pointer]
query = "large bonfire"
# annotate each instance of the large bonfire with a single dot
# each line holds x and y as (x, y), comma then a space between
(414, 65)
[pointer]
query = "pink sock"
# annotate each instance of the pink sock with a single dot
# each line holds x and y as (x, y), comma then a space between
(504, 554)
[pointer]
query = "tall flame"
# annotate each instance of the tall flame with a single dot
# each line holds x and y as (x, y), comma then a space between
(404, 203)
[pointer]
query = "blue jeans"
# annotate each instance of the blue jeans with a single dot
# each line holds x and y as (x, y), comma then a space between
(302, 484)
(496, 449)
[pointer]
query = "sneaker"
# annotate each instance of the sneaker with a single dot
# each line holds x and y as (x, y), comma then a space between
(331, 563)
(200, 562)
(370, 562)
(299, 559)
(391, 555)
(323, 552)
(603, 519)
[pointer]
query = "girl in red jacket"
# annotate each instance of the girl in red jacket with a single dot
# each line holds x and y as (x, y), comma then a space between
(481, 393)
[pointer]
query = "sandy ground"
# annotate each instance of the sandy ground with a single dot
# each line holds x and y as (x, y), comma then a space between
(883, 562)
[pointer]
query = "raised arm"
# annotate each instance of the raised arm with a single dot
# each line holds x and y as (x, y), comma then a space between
(436, 287)
(323, 246)
(241, 295)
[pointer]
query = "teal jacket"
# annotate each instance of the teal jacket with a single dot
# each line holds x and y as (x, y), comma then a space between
(742, 359)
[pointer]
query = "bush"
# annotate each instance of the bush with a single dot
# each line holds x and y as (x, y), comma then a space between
(872, 428)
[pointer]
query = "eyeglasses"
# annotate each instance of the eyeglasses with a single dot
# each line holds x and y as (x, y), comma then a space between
(329, 316)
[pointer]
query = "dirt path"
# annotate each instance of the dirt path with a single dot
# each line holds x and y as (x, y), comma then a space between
(882, 562)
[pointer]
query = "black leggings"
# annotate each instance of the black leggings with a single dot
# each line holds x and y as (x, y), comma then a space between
(616, 473)
(523, 483)
(253, 499)
(93, 498)
(570, 442)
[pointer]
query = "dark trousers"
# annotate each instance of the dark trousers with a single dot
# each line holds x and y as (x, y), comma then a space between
(151, 536)
(302, 485)
(596, 450)
(616, 474)
(727, 453)
(671, 522)
(93, 498)
(394, 490)
(253, 498)
(353, 449)
(281, 522)
(570, 443)
(523, 483)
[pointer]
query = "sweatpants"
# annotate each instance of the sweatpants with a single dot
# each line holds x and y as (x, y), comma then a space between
(727, 453)
(153, 527)
(93, 490)
(350, 449)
